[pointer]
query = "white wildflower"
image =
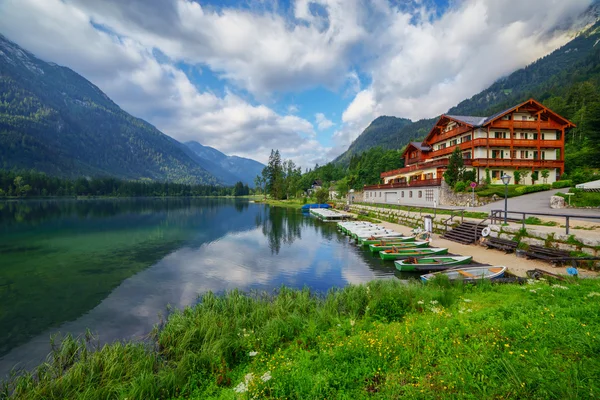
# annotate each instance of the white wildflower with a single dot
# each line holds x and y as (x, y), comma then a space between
(532, 290)
(592, 294)
(461, 311)
(434, 302)
(435, 310)
(352, 322)
(560, 287)
(469, 310)
(248, 377)
(266, 376)
(531, 281)
(241, 388)
(253, 353)
(420, 302)
(467, 300)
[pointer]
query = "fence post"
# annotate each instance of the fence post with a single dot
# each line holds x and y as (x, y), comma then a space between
(567, 225)
(523, 220)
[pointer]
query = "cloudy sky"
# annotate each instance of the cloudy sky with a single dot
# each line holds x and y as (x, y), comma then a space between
(303, 76)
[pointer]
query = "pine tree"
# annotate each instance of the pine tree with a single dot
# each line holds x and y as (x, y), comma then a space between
(455, 168)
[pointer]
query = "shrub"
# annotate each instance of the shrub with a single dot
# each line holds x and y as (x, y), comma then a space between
(562, 184)
(460, 187)
(488, 178)
(517, 176)
(322, 195)
(533, 188)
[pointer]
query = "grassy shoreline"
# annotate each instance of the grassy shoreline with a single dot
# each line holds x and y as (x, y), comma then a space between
(384, 339)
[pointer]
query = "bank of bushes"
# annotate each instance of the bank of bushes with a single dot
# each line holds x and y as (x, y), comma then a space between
(562, 184)
(582, 198)
(385, 339)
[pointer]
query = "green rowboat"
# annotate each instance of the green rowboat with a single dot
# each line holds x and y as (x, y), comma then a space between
(376, 248)
(416, 252)
(386, 239)
(426, 264)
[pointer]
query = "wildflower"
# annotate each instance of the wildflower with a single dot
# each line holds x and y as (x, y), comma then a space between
(352, 322)
(266, 376)
(560, 287)
(467, 300)
(469, 310)
(592, 294)
(434, 302)
(422, 302)
(241, 388)
(253, 353)
(532, 290)
(435, 310)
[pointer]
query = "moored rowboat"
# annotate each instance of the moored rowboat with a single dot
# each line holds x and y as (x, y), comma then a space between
(425, 264)
(469, 273)
(379, 239)
(416, 252)
(376, 248)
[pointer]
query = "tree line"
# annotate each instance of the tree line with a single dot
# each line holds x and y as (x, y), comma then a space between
(38, 184)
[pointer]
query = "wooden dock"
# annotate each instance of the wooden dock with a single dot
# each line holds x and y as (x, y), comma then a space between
(326, 214)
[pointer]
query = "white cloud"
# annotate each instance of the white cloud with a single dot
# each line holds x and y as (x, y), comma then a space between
(322, 122)
(413, 63)
(128, 72)
(423, 67)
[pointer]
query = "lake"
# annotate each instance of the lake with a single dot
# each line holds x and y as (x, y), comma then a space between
(115, 266)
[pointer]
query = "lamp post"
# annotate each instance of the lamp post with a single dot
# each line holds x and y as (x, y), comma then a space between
(506, 181)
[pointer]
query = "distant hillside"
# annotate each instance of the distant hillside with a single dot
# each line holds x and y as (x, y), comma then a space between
(548, 76)
(230, 169)
(55, 121)
(386, 132)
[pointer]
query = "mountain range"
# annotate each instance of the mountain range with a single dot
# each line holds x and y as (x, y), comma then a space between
(55, 121)
(542, 79)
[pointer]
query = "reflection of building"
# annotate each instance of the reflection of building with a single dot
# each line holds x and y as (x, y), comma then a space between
(526, 137)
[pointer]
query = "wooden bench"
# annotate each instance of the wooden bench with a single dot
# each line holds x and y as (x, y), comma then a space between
(547, 253)
(502, 244)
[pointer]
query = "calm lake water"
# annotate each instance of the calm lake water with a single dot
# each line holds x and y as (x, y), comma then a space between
(113, 266)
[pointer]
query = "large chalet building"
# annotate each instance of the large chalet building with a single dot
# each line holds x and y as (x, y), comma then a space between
(527, 136)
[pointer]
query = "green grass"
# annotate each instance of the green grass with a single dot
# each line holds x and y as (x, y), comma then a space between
(581, 198)
(537, 221)
(498, 190)
(291, 203)
(382, 340)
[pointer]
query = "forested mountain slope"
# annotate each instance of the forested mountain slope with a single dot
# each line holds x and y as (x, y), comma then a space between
(55, 121)
(386, 132)
(230, 169)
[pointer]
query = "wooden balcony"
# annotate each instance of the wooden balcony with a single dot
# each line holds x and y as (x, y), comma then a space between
(413, 160)
(452, 133)
(413, 184)
(519, 143)
(514, 163)
(421, 166)
(532, 125)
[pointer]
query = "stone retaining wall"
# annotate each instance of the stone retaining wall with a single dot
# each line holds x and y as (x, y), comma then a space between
(560, 241)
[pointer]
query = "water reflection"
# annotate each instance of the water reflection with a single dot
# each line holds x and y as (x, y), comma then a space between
(113, 266)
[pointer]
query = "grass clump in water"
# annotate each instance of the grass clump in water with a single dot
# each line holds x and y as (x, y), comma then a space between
(385, 339)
